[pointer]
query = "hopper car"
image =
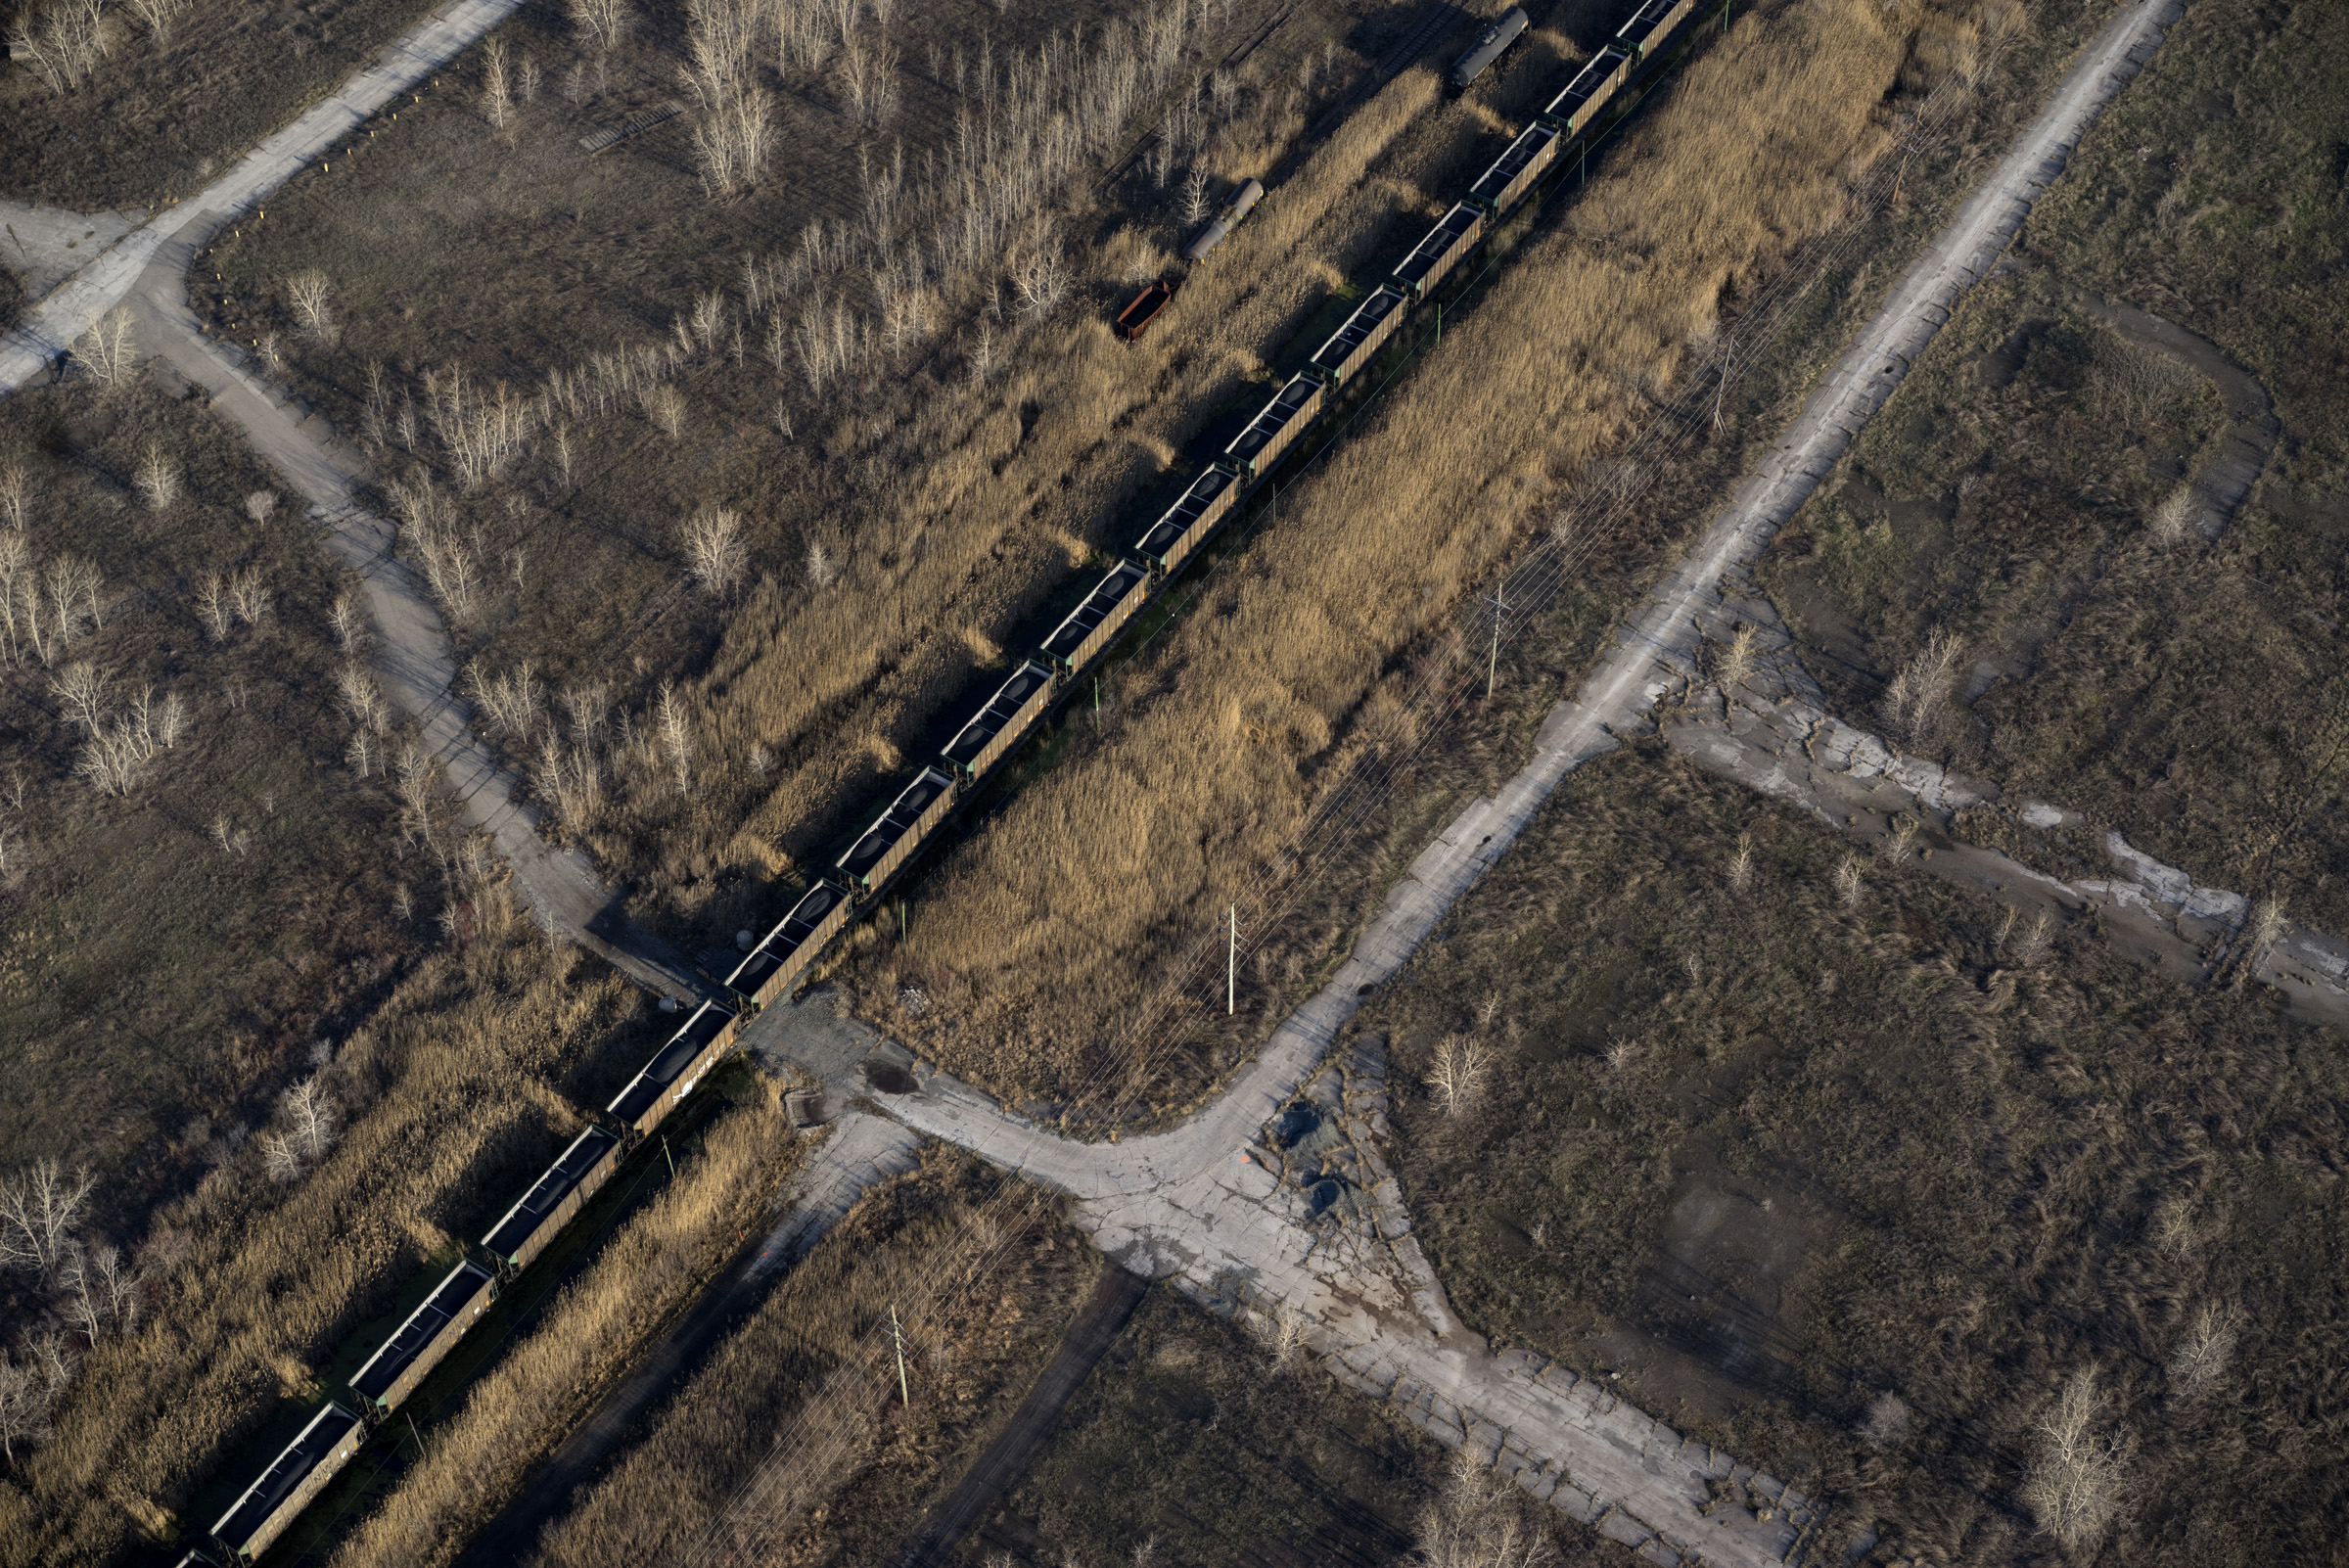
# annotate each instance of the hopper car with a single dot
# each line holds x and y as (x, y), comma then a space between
(674, 1071)
(299, 1473)
(1584, 97)
(1089, 626)
(524, 1231)
(1190, 520)
(1005, 718)
(1357, 343)
(767, 975)
(1437, 254)
(1276, 427)
(899, 831)
(416, 1346)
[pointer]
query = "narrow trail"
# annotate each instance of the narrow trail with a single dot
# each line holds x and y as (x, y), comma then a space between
(2224, 482)
(145, 270)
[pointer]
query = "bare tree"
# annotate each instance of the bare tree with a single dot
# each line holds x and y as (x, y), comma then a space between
(1917, 704)
(1887, 1422)
(1043, 279)
(675, 738)
(2076, 1487)
(497, 91)
(157, 15)
(311, 1118)
(1741, 863)
(351, 626)
(61, 42)
(822, 568)
(25, 1404)
(40, 1207)
(1193, 206)
(81, 690)
(211, 605)
(259, 504)
(1848, 882)
(16, 494)
(2198, 1366)
(157, 478)
(665, 407)
(1457, 1074)
(279, 1157)
(106, 349)
(308, 291)
(714, 553)
(602, 23)
(249, 593)
(1477, 1522)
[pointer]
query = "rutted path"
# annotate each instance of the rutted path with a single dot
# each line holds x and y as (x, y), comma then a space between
(1207, 1205)
(145, 270)
(2223, 483)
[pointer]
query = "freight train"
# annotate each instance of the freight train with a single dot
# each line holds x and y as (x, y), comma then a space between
(777, 962)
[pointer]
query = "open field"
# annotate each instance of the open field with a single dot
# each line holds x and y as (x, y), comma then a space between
(945, 469)
(2022, 498)
(194, 886)
(1771, 1157)
(448, 1099)
(1215, 745)
(160, 108)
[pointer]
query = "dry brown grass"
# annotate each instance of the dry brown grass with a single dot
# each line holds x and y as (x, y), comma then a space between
(651, 1266)
(1061, 914)
(448, 1083)
(809, 1366)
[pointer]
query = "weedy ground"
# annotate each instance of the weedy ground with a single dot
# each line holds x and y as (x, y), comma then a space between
(2011, 497)
(1770, 1156)
(171, 954)
(161, 115)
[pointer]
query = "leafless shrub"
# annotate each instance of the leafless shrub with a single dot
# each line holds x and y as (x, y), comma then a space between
(157, 478)
(822, 570)
(514, 702)
(80, 691)
(259, 504)
(1886, 1423)
(1848, 882)
(279, 1157)
(310, 293)
(1915, 706)
(714, 553)
(2174, 518)
(2198, 1366)
(40, 1210)
(1900, 842)
(527, 78)
(2078, 1484)
(108, 351)
(158, 15)
(869, 82)
(1735, 661)
(1741, 863)
(1457, 1073)
(1475, 1522)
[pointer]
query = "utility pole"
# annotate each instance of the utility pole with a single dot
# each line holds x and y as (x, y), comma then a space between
(1231, 962)
(896, 1338)
(1500, 608)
